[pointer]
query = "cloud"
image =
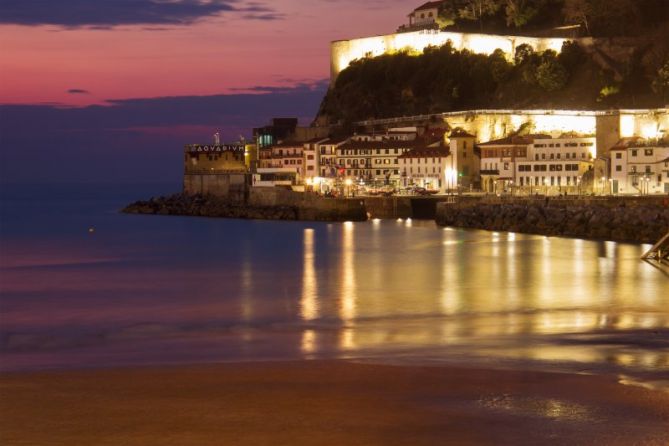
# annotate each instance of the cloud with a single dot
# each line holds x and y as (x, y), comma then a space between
(102, 14)
(78, 91)
(135, 139)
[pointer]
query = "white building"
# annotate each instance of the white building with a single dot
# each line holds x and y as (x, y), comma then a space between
(327, 156)
(536, 164)
(427, 167)
(372, 161)
(312, 157)
(425, 14)
(639, 167)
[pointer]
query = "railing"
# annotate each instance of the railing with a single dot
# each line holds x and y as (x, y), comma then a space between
(660, 251)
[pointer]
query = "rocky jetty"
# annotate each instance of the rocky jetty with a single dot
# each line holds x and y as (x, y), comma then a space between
(213, 206)
(639, 223)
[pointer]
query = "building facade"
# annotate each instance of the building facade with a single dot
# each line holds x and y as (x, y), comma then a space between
(639, 167)
(425, 14)
(215, 158)
(536, 164)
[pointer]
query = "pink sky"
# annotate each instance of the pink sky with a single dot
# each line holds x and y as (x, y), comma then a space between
(212, 56)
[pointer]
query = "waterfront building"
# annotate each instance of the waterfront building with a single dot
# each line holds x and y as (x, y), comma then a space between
(426, 167)
(534, 164)
(215, 158)
(327, 156)
(499, 158)
(373, 159)
(556, 165)
(312, 158)
(639, 167)
(289, 155)
(369, 160)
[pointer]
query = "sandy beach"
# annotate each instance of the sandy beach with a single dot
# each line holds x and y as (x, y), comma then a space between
(326, 403)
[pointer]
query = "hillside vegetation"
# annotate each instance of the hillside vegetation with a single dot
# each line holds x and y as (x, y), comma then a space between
(599, 18)
(443, 79)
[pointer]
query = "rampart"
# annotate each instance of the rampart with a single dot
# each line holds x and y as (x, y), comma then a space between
(343, 52)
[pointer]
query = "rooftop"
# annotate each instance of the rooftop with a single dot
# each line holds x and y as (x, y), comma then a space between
(429, 5)
(515, 140)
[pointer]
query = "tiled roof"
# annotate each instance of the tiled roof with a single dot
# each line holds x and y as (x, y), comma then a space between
(514, 140)
(426, 153)
(429, 5)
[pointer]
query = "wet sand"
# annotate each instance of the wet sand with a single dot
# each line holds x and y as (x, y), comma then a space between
(326, 403)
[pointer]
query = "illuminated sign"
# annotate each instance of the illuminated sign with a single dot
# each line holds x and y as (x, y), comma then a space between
(215, 148)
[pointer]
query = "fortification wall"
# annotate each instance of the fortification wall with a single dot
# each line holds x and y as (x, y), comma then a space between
(343, 52)
(487, 125)
(232, 186)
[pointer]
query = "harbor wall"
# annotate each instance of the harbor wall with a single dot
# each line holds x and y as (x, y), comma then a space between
(635, 219)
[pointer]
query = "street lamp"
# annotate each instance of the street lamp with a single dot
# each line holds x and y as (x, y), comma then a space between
(348, 184)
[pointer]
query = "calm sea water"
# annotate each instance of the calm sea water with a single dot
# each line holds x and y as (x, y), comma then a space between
(145, 290)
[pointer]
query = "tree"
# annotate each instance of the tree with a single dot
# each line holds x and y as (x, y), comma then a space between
(523, 54)
(551, 75)
(661, 81)
(604, 17)
(578, 12)
(520, 12)
(477, 9)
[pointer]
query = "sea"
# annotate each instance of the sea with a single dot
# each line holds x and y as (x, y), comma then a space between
(84, 286)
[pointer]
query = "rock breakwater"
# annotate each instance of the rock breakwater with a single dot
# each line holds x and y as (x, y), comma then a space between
(213, 206)
(641, 223)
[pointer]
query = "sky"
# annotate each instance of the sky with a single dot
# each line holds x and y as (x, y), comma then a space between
(111, 90)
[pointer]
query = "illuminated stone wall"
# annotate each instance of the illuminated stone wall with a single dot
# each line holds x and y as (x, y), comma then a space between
(609, 127)
(343, 52)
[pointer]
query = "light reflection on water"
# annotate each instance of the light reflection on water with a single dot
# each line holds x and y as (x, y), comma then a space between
(175, 290)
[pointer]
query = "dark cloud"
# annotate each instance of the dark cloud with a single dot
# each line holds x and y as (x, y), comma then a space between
(101, 14)
(135, 139)
(78, 91)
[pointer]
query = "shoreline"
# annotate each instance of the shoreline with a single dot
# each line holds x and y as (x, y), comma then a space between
(637, 221)
(326, 402)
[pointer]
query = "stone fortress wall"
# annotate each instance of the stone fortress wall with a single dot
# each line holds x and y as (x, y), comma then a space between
(603, 51)
(608, 126)
(343, 52)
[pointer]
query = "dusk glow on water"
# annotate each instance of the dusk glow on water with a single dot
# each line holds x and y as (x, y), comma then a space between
(150, 290)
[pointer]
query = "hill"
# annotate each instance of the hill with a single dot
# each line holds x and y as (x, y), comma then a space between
(626, 67)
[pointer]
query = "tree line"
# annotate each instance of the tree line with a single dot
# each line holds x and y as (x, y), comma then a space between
(594, 17)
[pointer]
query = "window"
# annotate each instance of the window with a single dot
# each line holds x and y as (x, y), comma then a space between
(634, 152)
(619, 168)
(619, 156)
(648, 152)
